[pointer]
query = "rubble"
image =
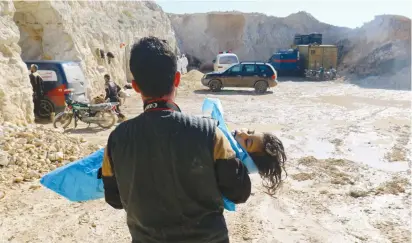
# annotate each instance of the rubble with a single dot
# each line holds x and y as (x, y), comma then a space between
(28, 152)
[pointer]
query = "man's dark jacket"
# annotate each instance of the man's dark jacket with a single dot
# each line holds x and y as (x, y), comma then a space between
(168, 171)
(112, 91)
(37, 84)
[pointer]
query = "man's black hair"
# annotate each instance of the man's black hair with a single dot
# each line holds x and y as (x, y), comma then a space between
(153, 65)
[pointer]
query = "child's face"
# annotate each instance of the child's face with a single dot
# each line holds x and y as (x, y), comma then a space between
(252, 142)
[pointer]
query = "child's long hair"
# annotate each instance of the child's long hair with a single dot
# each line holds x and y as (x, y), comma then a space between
(271, 163)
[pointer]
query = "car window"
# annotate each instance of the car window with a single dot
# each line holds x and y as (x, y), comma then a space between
(48, 75)
(228, 60)
(249, 68)
(265, 69)
(235, 69)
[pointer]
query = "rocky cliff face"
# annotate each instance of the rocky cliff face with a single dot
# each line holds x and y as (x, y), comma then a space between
(71, 30)
(251, 36)
(15, 90)
(380, 52)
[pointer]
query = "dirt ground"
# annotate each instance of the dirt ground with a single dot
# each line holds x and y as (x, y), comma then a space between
(348, 171)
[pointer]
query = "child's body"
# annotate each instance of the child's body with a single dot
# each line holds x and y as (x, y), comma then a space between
(267, 152)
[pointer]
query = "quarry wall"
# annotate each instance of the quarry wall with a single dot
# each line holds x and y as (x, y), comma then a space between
(253, 37)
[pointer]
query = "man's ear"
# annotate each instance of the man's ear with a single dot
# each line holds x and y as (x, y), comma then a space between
(177, 79)
(135, 87)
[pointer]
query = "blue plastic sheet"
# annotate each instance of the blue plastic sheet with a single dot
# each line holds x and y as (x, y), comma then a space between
(78, 180)
(213, 108)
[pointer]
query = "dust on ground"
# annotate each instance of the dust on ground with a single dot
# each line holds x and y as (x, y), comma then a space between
(344, 184)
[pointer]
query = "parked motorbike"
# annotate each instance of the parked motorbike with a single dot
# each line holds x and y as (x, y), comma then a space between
(104, 115)
(317, 75)
(330, 74)
(312, 74)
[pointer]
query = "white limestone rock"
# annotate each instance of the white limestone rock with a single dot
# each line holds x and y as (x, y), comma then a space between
(15, 90)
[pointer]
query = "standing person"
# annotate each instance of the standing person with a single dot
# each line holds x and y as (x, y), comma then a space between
(179, 64)
(38, 88)
(112, 93)
(321, 73)
(168, 170)
(184, 64)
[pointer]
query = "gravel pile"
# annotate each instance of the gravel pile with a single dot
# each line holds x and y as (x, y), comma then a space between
(191, 81)
(27, 153)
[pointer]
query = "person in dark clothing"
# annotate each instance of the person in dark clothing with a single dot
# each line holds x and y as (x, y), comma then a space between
(38, 88)
(112, 93)
(166, 169)
(321, 73)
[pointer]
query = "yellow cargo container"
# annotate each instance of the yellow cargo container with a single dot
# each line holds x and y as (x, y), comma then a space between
(315, 56)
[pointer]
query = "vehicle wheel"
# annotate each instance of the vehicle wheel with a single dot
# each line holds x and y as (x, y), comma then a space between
(215, 85)
(62, 120)
(46, 108)
(261, 87)
(109, 119)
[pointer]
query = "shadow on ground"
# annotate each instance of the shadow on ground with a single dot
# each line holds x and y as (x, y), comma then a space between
(291, 79)
(43, 121)
(231, 92)
(84, 130)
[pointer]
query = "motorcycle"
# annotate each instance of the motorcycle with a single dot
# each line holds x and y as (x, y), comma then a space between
(330, 75)
(104, 115)
(318, 76)
(312, 74)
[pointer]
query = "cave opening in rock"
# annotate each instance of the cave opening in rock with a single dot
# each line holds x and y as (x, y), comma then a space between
(31, 30)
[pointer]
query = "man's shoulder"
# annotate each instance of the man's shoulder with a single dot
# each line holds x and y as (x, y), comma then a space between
(197, 122)
(195, 118)
(186, 120)
(125, 125)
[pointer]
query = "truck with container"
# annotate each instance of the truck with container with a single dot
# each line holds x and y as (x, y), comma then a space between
(316, 56)
(306, 57)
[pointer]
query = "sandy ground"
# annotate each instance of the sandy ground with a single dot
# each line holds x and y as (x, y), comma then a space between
(348, 171)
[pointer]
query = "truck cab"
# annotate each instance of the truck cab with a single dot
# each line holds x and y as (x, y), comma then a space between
(286, 61)
(58, 76)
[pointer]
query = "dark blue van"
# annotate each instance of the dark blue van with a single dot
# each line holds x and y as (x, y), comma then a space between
(58, 76)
